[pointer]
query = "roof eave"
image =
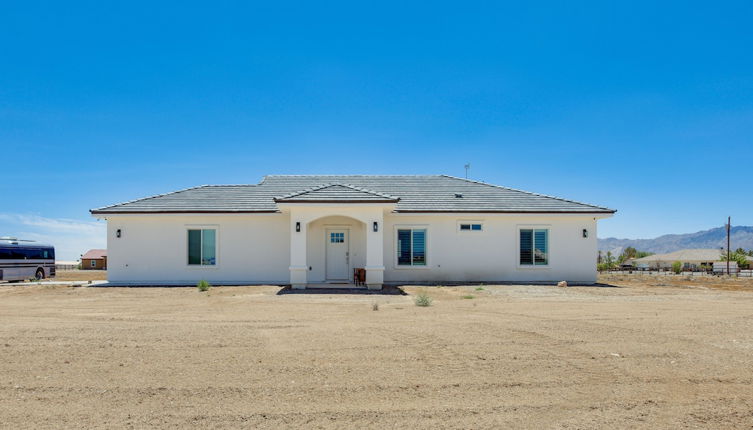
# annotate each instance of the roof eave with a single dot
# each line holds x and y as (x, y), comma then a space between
(336, 201)
(145, 212)
(595, 212)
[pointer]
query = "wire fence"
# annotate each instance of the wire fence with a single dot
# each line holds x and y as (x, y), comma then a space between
(742, 273)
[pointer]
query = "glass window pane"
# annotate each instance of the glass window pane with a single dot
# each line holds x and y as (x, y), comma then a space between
(476, 227)
(542, 247)
(208, 247)
(403, 247)
(194, 246)
(526, 246)
(465, 226)
(419, 247)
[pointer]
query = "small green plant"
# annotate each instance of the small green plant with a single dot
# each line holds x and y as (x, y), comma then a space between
(468, 297)
(203, 285)
(479, 288)
(677, 267)
(423, 299)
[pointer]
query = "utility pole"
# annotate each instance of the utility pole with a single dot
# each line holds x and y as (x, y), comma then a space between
(467, 168)
(729, 223)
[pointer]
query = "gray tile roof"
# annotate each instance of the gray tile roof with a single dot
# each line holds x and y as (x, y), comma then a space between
(336, 193)
(429, 193)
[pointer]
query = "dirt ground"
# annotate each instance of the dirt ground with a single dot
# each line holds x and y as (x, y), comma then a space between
(728, 283)
(80, 275)
(625, 356)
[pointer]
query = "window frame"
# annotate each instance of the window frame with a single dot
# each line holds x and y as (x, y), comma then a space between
(200, 266)
(427, 255)
(534, 227)
(93, 263)
(471, 223)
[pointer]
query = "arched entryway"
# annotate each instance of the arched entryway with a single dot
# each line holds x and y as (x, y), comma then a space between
(311, 222)
(335, 245)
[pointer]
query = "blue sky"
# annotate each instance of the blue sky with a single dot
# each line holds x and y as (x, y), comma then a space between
(642, 107)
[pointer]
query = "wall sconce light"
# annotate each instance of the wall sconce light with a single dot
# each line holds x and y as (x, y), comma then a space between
(297, 227)
(585, 233)
(376, 226)
(117, 233)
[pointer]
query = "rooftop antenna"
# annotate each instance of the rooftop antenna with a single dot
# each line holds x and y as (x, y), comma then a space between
(467, 168)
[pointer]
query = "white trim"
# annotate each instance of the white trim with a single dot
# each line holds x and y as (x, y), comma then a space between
(548, 228)
(397, 227)
(595, 216)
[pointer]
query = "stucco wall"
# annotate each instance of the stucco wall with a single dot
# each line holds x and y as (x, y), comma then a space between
(492, 254)
(256, 248)
(154, 248)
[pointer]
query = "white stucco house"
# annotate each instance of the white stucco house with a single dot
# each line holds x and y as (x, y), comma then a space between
(304, 230)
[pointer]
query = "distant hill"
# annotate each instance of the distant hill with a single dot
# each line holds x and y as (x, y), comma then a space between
(741, 237)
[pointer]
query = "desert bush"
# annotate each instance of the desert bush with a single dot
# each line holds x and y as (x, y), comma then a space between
(479, 288)
(468, 297)
(375, 306)
(203, 285)
(677, 267)
(423, 299)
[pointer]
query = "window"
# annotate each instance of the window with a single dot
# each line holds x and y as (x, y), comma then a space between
(534, 247)
(202, 247)
(25, 253)
(411, 247)
(470, 227)
(94, 263)
(337, 237)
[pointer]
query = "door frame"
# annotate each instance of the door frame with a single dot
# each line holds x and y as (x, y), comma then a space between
(327, 231)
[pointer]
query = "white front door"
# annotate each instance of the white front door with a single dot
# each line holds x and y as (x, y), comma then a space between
(337, 254)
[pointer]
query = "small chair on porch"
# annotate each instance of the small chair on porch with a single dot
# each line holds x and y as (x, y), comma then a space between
(359, 276)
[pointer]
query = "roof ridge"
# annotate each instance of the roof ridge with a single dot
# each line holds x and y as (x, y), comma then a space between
(304, 191)
(344, 176)
(333, 184)
(230, 185)
(148, 198)
(528, 192)
(366, 190)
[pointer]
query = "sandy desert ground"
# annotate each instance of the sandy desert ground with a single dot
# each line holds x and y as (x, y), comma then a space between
(632, 355)
(79, 275)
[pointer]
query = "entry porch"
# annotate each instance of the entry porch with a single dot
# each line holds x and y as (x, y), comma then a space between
(328, 241)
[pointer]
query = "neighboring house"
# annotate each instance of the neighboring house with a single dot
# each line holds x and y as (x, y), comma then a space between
(94, 259)
(690, 259)
(301, 230)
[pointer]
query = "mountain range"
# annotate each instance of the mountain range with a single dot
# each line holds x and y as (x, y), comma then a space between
(740, 237)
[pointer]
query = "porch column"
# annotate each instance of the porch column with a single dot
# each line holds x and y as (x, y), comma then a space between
(298, 266)
(375, 252)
